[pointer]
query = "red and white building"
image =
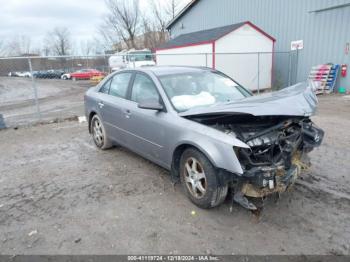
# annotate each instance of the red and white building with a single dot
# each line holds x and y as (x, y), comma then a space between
(232, 49)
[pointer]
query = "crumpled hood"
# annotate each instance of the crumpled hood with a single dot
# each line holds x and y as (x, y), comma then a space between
(297, 100)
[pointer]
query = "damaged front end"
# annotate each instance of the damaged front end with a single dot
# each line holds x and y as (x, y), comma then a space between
(278, 132)
(277, 154)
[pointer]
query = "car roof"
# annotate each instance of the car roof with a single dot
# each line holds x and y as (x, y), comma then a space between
(173, 70)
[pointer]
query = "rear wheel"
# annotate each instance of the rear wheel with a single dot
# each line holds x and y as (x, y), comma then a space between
(200, 181)
(99, 133)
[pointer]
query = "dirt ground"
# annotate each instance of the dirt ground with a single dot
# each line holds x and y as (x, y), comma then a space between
(57, 99)
(61, 195)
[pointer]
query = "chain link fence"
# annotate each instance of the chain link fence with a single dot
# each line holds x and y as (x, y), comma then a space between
(36, 89)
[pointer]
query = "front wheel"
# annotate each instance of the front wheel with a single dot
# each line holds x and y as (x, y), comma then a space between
(99, 133)
(200, 181)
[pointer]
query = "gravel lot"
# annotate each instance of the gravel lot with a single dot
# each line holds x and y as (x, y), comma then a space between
(60, 195)
(58, 99)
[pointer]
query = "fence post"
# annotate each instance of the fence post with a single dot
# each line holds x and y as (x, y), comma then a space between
(296, 71)
(258, 72)
(289, 68)
(106, 64)
(34, 89)
(72, 68)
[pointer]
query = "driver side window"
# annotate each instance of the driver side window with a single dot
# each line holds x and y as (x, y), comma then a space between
(144, 89)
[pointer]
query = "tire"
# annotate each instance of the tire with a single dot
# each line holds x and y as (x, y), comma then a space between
(198, 173)
(98, 133)
(64, 77)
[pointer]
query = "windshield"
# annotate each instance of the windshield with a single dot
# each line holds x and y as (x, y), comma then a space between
(198, 89)
(140, 56)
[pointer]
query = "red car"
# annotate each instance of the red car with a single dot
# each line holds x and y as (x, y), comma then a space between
(83, 74)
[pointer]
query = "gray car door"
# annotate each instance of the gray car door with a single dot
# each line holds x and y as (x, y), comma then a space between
(112, 106)
(146, 128)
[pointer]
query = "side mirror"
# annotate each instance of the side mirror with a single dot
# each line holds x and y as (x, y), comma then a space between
(151, 105)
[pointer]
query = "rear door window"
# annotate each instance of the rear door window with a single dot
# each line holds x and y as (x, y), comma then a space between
(119, 85)
(105, 88)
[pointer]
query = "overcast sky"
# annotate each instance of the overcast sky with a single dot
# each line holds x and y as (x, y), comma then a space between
(34, 18)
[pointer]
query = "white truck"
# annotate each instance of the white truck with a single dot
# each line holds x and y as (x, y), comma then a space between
(131, 59)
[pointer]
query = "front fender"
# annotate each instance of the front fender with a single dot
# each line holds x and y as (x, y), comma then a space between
(220, 154)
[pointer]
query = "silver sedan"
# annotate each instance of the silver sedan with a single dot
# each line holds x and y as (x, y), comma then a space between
(208, 130)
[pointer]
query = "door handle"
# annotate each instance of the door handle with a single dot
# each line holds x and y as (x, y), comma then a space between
(127, 113)
(100, 104)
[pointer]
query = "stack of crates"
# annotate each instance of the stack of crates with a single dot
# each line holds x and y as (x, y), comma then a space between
(325, 76)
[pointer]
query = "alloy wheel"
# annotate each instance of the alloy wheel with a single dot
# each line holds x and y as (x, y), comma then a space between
(97, 132)
(195, 178)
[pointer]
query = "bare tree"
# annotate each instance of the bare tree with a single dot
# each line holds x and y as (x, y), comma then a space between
(123, 19)
(152, 36)
(125, 22)
(87, 47)
(172, 8)
(46, 49)
(106, 37)
(155, 21)
(160, 17)
(19, 45)
(58, 41)
(150, 40)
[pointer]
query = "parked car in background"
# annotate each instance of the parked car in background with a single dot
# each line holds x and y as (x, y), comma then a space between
(19, 74)
(24, 74)
(83, 74)
(65, 76)
(12, 74)
(207, 129)
(49, 74)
